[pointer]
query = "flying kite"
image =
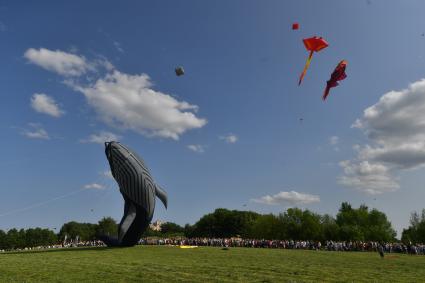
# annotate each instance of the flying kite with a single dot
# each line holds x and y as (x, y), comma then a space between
(179, 71)
(312, 44)
(295, 26)
(337, 75)
(138, 190)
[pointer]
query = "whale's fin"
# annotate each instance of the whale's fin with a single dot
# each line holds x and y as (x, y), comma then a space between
(162, 195)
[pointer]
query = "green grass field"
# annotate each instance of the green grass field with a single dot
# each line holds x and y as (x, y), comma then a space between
(172, 264)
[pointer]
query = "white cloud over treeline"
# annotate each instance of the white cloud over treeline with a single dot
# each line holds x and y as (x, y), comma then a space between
(395, 128)
(285, 198)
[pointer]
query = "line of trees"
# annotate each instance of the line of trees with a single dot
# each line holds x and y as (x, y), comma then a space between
(33, 237)
(88, 231)
(350, 224)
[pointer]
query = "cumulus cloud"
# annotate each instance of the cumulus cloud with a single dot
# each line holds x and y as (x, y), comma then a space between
(63, 63)
(43, 103)
(230, 138)
(395, 127)
(101, 138)
(291, 198)
(372, 178)
(36, 131)
(94, 186)
(196, 148)
(129, 102)
(123, 101)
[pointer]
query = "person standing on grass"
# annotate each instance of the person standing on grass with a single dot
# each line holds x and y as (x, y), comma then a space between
(381, 250)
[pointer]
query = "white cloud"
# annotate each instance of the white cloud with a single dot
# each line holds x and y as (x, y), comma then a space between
(118, 46)
(107, 174)
(128, 102)
(196, 148)
(43, 103)
(291, 198)
(63, 63)
(101, 138)
(121, 100)
(372, 178)
(395, 127)
(230, 138)
(36, 132)
(334, 140)
(73, 49)
(94, 186)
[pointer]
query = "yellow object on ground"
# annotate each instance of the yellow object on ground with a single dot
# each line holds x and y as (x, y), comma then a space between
(188, 247)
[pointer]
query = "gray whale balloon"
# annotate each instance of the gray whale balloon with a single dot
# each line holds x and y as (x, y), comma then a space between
(138, 189)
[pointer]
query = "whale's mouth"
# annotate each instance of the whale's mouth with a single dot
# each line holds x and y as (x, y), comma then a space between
(108, 152)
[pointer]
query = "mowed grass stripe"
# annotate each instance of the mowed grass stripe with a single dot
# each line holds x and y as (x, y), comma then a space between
(207, 264)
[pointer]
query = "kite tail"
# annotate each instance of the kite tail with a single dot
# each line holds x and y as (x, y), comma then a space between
(326, 92)
(307, 64)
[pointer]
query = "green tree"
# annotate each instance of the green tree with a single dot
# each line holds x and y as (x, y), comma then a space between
(225, 223)
(3, 240)
(378, 227)
(171, 229)
(267, 227)
(363, 225)
(85, 231)
(330, 229)
(188, 230)
(292, 221)
(415, 233)
(107, 226)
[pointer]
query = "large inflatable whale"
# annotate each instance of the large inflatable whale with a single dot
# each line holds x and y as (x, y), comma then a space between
(138, 189)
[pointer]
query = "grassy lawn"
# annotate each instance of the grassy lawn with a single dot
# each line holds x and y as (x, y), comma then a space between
(172, 264)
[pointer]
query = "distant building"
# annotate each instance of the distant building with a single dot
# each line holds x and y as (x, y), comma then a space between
(156, 226)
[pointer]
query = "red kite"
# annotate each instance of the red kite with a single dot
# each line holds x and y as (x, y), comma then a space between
(295, 26)
(312, 44)
(337, 75)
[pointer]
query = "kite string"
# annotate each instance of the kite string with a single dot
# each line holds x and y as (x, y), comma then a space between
(51, 200)
(107, 193)
(41, 203)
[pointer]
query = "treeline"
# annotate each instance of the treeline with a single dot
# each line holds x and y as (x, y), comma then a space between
(350, 224)
(88, 231)
(35, 237)
(19, 239)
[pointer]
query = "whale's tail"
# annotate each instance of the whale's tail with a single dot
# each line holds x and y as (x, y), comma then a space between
(162, 195)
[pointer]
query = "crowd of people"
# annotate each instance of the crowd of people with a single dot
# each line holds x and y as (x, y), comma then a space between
(67, 244)
(418, 249)
(290, 244)
(94, 243)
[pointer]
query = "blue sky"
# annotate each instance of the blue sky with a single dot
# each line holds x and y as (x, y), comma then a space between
(227, 133)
